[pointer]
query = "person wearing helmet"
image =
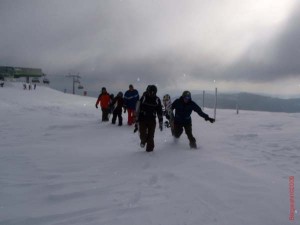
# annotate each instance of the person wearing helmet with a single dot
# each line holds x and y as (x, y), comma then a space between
(104, 101)
(183, 109)
(130, 98)
(148, 107)
(119, 102)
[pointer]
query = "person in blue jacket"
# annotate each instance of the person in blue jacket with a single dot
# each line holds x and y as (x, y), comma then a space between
(130, 99)
(182, 120)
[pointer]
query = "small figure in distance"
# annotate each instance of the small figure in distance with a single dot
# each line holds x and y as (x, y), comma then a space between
(131, 97)
(117, 112)
(104, 101)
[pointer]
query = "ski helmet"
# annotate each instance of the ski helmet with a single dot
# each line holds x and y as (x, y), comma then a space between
(120, 94)
(103, 89)
(151, 90)
(166, 98)
(186, 95)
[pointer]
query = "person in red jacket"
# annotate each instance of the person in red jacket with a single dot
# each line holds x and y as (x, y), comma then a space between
(104, 100)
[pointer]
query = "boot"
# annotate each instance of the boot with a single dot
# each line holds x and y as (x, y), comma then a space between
(193, 145)
(142, 145)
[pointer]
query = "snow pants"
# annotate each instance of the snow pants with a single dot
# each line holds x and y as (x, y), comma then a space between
(147, 130)
(178, 129)
(105, 112)
(130, 116)
(117, 113)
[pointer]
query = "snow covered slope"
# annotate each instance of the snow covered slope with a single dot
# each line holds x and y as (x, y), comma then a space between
(60, 165)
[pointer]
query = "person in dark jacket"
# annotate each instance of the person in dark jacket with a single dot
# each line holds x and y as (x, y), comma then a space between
(183, 110)
(148, 107)
(104, 101)
(111, 106)
(131, 97)
(119, 102)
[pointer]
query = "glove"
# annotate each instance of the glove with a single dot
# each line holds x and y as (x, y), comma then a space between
(124, 110)
(136, 128)
(161, 125)
(167, 124)
(96, 106)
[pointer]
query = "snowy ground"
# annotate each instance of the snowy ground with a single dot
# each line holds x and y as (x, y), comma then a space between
(60, 165)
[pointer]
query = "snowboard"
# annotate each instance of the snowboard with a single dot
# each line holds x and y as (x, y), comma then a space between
(168, 112)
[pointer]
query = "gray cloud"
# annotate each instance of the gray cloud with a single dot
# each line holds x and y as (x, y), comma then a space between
(150, 41)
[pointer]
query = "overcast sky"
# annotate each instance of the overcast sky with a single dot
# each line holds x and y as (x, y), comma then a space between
(247, 45)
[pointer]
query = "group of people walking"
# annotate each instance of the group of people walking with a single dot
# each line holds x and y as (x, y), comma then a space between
(115, 105)
(143, 111)
(29, 86)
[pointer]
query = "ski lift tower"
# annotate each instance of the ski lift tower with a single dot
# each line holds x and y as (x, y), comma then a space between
(216, 100)
(76, 78)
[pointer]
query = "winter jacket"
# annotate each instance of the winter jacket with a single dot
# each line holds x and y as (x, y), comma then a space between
(104, 100)
(148, 108)
(184, 110)
(119, 101)
(131, 98)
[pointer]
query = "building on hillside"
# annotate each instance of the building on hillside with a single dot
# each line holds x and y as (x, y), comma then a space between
(18, 72)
